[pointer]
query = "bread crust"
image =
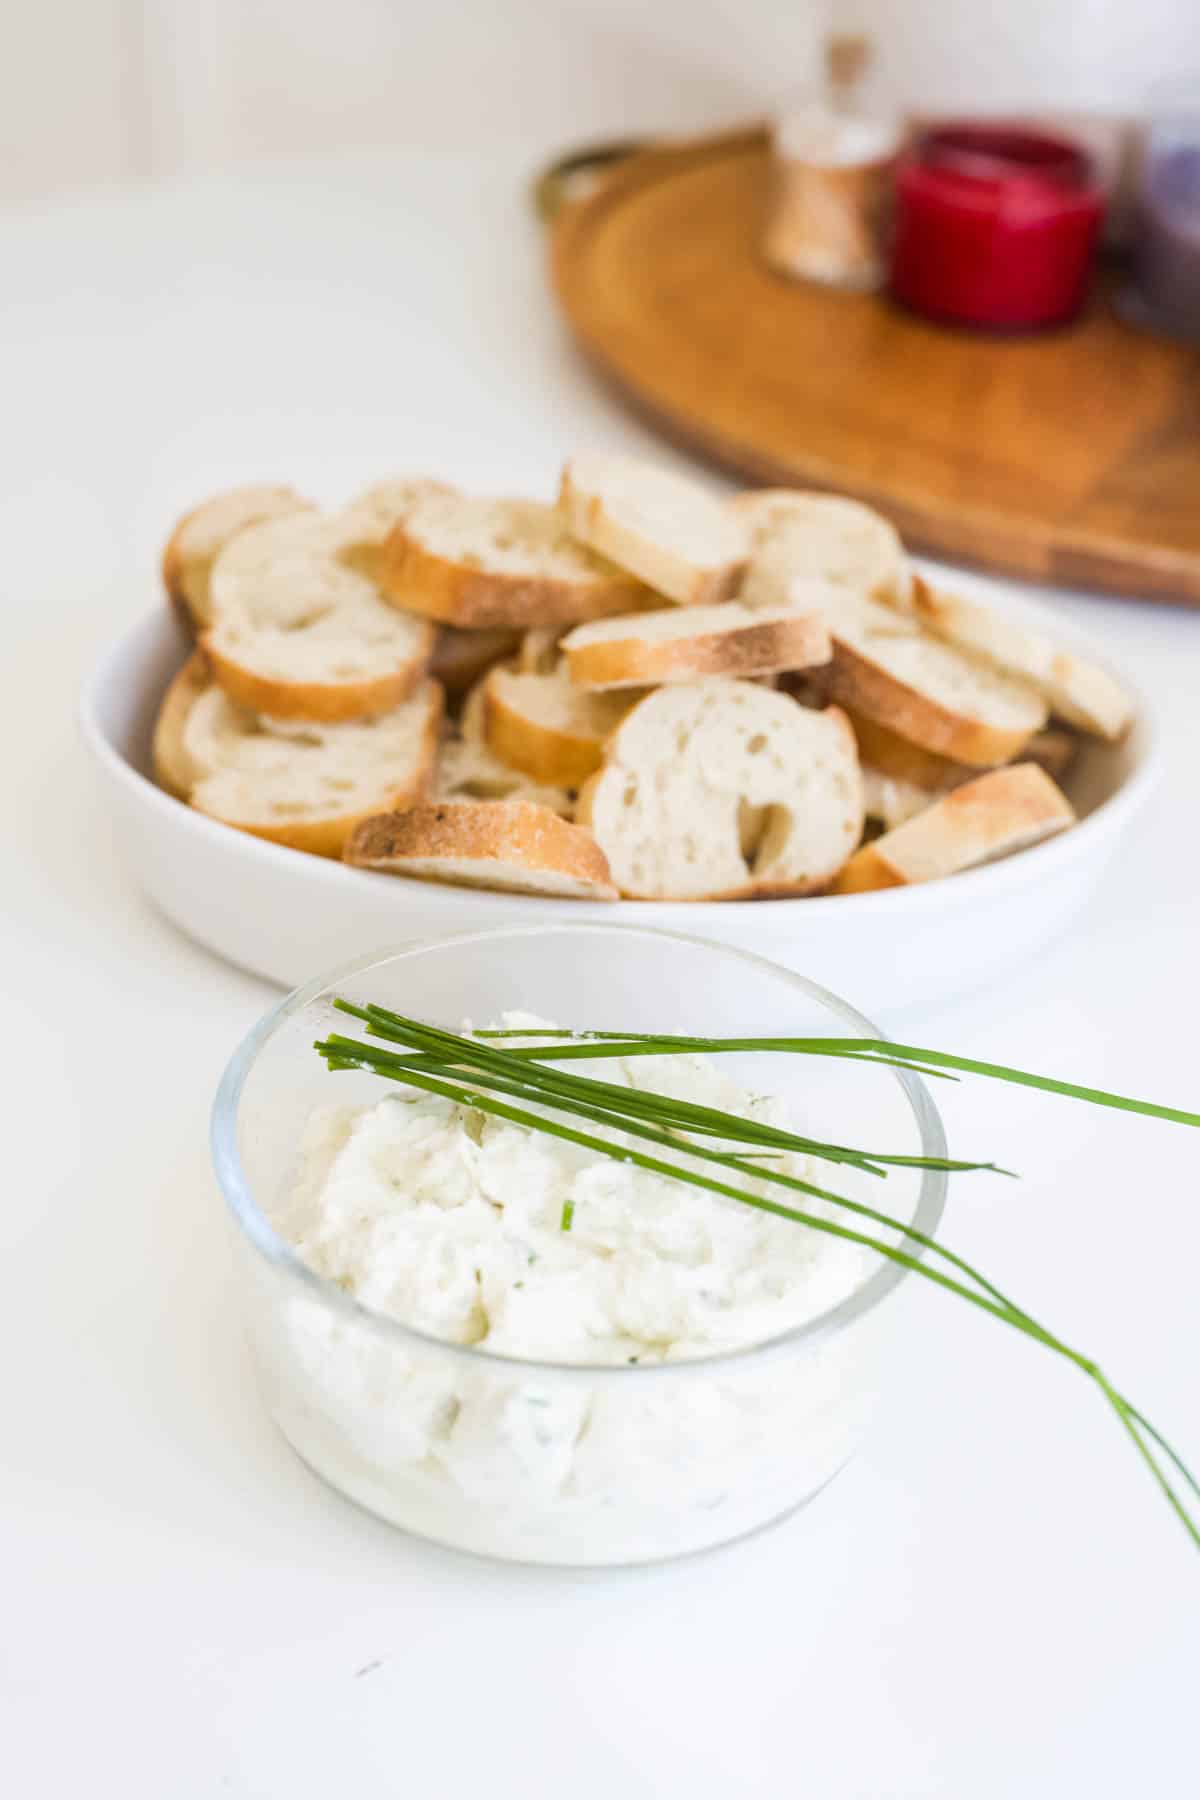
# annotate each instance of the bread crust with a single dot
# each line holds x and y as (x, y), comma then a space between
(752, 647)
(1076, 690)
(328, 836)
(866, 688)
(324, 703)
(590, 518)
(998, 813)
(168, 757)
(185, 577)
(763, 509)
(419, 580)
(547, 753)
(516, 834)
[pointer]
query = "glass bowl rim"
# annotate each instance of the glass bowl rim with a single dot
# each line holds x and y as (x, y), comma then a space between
(256, 1228)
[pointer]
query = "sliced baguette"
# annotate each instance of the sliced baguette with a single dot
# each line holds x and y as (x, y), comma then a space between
(461, 658)
(901, 760)
(174, 767)
(894, 756)
(682, 644)
(298, 633)
(660, 526)
(725, 790)
(904, 780)
(937, 697)
(201, 534)
(507, 844)
(547, 728)
(371, 517)
(993, 816)
(468, 770)
(1076, 690)
(305, 786)
(827, 537)
(483, 563)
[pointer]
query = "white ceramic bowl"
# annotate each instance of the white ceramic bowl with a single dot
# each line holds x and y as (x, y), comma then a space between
(283, 914)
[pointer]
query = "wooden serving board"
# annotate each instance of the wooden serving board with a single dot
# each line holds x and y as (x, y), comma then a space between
(1072, 457)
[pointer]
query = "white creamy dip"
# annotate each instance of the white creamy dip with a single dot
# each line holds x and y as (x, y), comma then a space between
(451, 1222)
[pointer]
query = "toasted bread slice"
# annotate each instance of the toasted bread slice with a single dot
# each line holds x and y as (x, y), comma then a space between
(659, 525)
(895, 757)
(937, 697)
(483, 563)
(996, 814)
(174, 767)
(298, 633)
(1079, 691)
(725, 790)
(685, 643)
(547, 728)
(201, 534)
(507, 844)
(826, 538)
(461, 658)
(371, 517)
(901, 760)
(302, 785)
(468, 770)
(888, 668)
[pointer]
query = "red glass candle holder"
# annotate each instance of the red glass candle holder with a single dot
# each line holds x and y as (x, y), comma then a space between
(995, 226)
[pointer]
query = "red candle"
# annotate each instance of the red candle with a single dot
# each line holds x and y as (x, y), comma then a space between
(994, 226)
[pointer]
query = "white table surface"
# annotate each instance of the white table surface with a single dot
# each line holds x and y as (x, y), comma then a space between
(992, 1601)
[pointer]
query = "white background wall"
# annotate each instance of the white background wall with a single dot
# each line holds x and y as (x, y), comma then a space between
(105, 90)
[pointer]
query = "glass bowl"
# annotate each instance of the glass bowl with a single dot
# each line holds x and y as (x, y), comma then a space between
(559, 1462)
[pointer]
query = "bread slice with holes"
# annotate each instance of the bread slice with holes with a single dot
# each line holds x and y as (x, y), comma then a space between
(686, 643)
(546, 727)
(1077, 690)
(303, 785)
(299, 633)
(825, 537)
(660, 526)
(201, 534)
(725, 790)
(481, 563)
(995, 815)
(461, 658)
(507, 844)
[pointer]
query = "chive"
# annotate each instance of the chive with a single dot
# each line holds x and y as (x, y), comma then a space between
(925, 1062)
(458, 1068)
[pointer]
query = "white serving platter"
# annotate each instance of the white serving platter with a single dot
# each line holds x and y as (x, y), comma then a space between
(286, 916)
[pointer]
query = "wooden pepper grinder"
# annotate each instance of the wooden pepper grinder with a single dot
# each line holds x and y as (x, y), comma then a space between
(831, 185)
